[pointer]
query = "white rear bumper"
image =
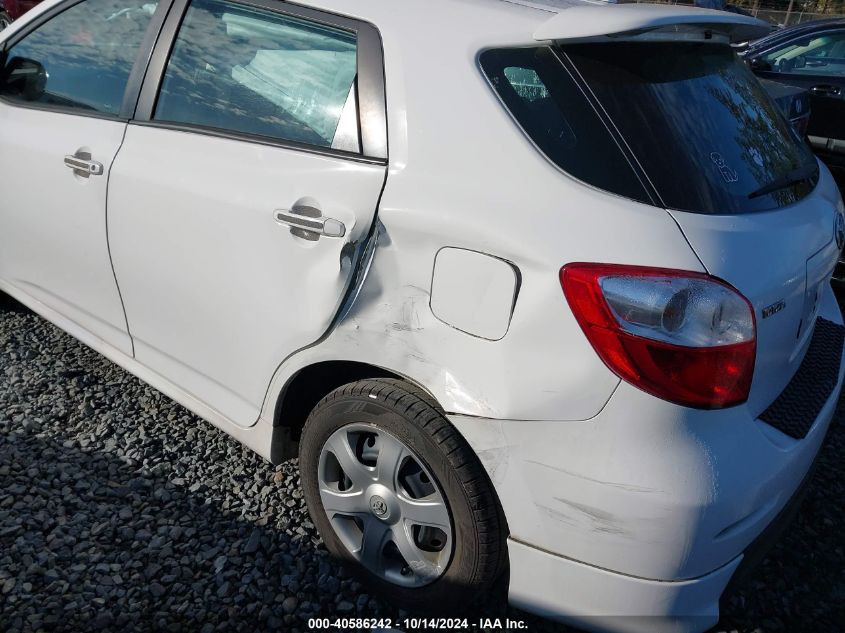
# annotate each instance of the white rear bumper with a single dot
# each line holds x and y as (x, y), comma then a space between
(596, 599)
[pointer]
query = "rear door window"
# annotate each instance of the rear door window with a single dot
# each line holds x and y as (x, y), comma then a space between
(253, 71)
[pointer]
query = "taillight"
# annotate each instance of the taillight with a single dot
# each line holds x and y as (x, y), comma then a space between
(681, 336)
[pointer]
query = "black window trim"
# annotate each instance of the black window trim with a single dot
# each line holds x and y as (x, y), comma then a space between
(372, 102)
(136, 75)
(604, 119)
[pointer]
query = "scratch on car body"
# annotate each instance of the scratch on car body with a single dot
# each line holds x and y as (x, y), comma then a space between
(628, 487)
(601, 520)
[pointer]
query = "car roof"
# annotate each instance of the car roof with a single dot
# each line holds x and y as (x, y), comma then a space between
(544, 20)
(551, 5)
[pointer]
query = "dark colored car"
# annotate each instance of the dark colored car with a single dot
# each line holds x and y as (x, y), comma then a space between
(812, 56)
(793, 101)
(13, 9)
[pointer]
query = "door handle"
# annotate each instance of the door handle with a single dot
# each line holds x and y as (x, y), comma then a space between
(826, 90)
(317, 226)
(84, 166)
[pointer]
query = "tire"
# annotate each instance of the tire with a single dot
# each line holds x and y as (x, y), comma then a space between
(5, 20)
(395, 410)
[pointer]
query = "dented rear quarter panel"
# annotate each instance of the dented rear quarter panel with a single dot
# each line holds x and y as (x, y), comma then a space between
(463, 175)
(647, 488)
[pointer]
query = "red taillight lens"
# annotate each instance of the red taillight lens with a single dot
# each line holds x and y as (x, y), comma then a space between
(681, 336)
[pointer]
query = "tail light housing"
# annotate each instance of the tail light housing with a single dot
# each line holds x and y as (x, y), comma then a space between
(682, 336)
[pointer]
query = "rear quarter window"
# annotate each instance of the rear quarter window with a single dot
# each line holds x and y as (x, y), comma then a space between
(551, 109)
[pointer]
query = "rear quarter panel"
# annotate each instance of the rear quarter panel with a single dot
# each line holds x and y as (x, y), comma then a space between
(463, 175)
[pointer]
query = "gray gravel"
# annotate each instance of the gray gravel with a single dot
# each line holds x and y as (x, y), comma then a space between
(119, 509)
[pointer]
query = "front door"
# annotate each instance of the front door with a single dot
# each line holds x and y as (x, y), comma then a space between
(61, 91)
(241, 197)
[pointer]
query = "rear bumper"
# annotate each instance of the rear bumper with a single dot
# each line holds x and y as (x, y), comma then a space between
(647, 499)
(595, 599)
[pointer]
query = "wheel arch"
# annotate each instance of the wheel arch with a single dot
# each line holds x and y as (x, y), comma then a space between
(305, 388)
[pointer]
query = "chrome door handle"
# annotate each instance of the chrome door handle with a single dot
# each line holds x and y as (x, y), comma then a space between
(327, 227)
(88, 167)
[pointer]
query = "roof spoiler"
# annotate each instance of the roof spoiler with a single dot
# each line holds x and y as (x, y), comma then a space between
(612, 23)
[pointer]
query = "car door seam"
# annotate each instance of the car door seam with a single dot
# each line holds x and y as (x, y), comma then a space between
(108, 242)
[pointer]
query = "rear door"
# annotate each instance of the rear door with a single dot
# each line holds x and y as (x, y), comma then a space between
(62, 89)
(245, 191)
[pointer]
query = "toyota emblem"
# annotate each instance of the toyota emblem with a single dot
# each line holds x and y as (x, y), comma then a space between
(378, 506)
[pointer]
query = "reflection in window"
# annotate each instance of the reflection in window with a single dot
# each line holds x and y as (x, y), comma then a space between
(81, 58)
(699, 123)
(253, 71)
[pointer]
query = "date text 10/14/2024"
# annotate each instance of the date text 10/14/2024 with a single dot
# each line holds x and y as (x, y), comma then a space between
(416, 624)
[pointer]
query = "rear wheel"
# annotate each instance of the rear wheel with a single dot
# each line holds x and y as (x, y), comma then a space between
(5, 20)
(398, 493)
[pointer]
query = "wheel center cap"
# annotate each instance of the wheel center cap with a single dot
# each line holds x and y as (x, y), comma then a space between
(378, 506)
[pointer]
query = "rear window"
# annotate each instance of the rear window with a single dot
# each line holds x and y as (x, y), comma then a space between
(695, 120)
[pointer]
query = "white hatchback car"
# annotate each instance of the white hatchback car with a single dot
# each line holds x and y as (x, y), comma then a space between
(535, 288)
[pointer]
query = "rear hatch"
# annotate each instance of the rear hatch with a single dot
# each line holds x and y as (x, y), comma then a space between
(719, 155)
(781, 261)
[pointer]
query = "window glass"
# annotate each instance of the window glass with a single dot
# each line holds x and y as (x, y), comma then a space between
(820, 55)
(81, 58)
(526, 83)
(253, 71)
(554, 113)
(703, 128)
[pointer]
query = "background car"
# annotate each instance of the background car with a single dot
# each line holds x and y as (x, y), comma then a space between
(793, 101)
(13, 9)
(811, 56)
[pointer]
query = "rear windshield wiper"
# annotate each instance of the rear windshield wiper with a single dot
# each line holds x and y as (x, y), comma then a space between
(805, 172)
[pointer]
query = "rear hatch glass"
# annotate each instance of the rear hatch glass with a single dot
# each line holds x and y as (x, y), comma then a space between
(700, 124)
(682, 125)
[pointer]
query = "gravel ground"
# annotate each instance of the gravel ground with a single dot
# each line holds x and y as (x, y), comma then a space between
(121, 510)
